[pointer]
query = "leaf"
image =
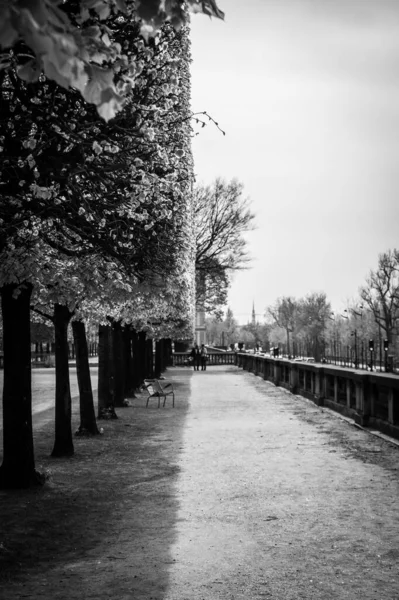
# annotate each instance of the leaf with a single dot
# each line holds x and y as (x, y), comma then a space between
(30, 72)
(208, 7)
(4, 61)
(103, 10)
(111, 103)
(121, 5)
(100, 81)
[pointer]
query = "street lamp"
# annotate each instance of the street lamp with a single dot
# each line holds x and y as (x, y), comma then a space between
(354, 332)
(331, 316)
(378, 312)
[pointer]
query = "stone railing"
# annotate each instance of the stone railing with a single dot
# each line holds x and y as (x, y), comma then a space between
(213, 358)
(371, 399)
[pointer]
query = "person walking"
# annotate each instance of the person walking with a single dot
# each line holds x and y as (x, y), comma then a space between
(203, 353)
(196, 356)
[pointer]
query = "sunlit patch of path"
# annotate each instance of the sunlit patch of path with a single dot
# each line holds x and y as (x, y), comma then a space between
(272, 505)
(43, 395)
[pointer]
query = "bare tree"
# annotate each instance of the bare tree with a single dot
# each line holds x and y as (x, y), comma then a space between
(381, 292)
(285, 313)
(222, 217)
(313, 312)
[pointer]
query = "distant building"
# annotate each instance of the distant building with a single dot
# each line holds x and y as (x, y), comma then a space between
(200, 330)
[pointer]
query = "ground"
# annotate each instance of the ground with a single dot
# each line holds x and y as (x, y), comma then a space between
(241, 491)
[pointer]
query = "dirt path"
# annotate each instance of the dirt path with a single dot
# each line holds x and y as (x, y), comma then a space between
(241, 491)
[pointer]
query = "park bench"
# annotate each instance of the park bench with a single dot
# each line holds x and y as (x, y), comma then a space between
(157, 389)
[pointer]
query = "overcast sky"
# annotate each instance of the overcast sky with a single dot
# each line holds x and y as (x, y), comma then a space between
(308, 94)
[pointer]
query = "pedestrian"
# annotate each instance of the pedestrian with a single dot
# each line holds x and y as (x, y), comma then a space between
(196, 356)
(204, 356)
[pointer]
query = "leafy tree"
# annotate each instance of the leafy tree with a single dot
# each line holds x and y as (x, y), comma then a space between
(222, 331)
(222, 217)
(246, 336)
(82, 185)
(213, 328)
(72, 42)
(138, 219)
(41, 334)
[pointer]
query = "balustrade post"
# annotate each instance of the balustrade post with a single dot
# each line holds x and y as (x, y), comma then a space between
(348, 393)
(359, 397)
(335, 389)
(364, 401)
(293, 379)
(277, 373)
(390, 407)
(318, 391)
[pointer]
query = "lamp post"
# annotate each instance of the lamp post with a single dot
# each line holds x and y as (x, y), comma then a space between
(331, 316)
(378, 311)
(354, 332)
(357, 314)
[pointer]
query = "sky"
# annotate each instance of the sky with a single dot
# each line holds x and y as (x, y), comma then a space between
(307, 92)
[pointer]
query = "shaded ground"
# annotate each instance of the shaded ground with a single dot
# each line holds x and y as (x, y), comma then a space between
(43, 392)
(241, 491)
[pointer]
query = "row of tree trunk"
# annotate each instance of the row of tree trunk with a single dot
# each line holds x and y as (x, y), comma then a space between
(125, 359)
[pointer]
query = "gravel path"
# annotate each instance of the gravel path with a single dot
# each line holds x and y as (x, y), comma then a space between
(278, 499)
(243, 491)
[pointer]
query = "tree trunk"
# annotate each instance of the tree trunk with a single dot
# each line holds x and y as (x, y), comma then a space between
(87, 413)
(18, 467)
(141, 357)
(288, 342)
(168, 353)
(63, 444)
(118, 364)
(149, 360)
(106, 408)
(158, 358)
(129, 362)
(136, 360)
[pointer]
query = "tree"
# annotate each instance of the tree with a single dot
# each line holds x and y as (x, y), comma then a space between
(135, 214)
(80, 184)
(381, 292)
(72, 42)
(222, 217)
(314, 310)
(230, 328)
(284, 313)
(18, 467)
(213, 327)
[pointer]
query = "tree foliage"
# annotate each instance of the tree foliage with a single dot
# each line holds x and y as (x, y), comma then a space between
(84, 186)
(73, 42)
(93, 210)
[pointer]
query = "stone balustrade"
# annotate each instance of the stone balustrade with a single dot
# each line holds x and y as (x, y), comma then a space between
(371, 399)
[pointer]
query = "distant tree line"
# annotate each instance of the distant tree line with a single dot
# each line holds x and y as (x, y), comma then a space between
(308, 326)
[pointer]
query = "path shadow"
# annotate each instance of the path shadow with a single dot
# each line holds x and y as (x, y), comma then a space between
(105, 523)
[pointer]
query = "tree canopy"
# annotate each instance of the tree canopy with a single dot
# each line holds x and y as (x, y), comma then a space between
(73, 42)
